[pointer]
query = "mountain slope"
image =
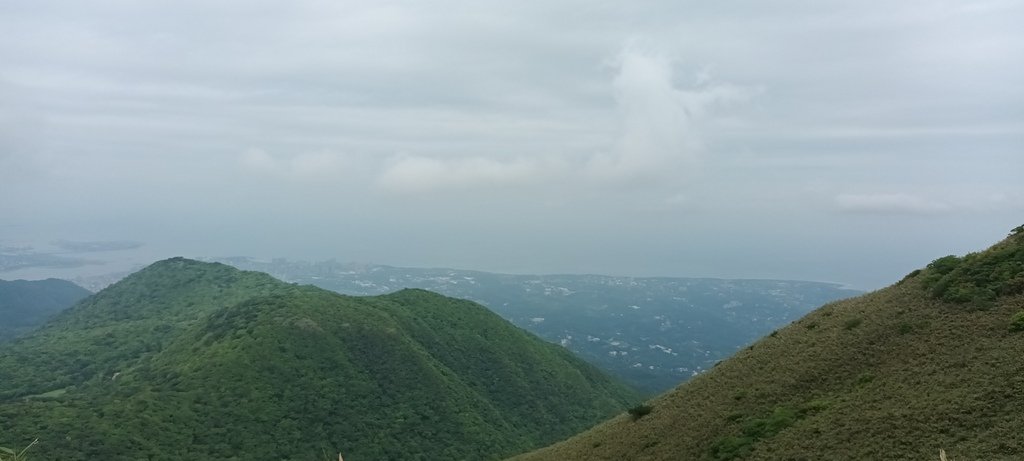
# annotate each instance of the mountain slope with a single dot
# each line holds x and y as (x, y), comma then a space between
(238, 365)
(24, 305)
(931, 362)
(651, 332)
(128, 320)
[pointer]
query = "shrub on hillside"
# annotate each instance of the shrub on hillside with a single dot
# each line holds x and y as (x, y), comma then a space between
(755, 429)
(912, 274)
(1017, 321)
(640, 411)
(978, 279)
(945, 264)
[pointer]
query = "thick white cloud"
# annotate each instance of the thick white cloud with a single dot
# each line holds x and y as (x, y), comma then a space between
(658, 138)
(660, 123)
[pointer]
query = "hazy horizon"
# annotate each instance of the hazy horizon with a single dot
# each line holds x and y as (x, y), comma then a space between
(840, 141)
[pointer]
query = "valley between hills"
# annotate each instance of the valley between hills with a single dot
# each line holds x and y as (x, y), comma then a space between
(651, 332)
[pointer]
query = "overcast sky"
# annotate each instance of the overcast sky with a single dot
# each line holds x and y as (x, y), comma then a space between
(817, 140)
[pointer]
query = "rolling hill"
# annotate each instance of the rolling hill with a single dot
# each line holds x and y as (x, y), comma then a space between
(192, 360)
(653, 332)
(932, 362)
(24, 304)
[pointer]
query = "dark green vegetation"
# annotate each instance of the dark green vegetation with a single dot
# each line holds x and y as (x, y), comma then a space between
(190, 360)
(895, 374)
(640, 411)
(24, 305)
(977, 279)
(652, 332)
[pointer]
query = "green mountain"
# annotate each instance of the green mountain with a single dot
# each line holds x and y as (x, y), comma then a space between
(191, 360)
(24, 304)
(932, 362)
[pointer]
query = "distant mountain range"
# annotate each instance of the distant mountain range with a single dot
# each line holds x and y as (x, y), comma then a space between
(931, 363)
(193, 360)
(652, 332)
(24, 304)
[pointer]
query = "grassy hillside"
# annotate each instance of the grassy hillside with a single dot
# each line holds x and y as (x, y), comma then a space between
(25, 305)
(189, 360)
(931, 362)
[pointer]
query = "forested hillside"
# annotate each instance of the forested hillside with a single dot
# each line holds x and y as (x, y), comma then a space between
(197, 360)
